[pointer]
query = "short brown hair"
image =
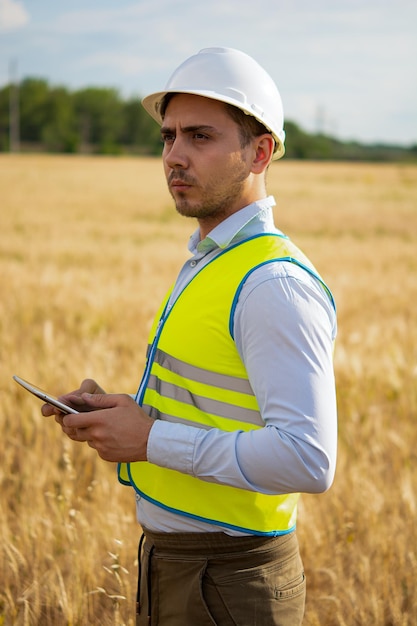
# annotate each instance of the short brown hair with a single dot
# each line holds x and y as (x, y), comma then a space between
(249, 126)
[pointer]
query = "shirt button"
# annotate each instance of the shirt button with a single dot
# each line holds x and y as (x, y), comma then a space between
(193, 263)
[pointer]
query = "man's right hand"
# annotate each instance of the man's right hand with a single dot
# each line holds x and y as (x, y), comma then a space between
(74, 400)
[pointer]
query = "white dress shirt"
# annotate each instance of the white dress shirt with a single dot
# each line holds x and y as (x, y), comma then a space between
(284, 330)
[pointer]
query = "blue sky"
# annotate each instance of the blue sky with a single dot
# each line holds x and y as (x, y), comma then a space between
(345, 67)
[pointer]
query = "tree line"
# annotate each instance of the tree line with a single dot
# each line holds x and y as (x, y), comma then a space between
(55, 119)
(98, 120)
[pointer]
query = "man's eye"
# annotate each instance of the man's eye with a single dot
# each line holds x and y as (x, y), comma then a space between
(200, 136)
(167, 138)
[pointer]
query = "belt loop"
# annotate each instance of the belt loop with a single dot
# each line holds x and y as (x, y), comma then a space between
(149, 584)
(138, 606)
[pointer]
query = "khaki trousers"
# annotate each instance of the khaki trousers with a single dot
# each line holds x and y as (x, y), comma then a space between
(212, 579)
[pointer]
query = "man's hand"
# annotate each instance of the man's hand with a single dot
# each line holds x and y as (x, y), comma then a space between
(113, 424)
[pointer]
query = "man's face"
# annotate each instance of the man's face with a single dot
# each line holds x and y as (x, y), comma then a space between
(206, 168)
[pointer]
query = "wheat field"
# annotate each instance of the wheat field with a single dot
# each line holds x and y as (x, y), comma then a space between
(88, 247)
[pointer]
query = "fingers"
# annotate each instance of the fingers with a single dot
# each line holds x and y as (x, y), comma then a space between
(105, 400)
(75, 398)
(93, 404)
(47, 410)
(90, 386)
(79, 430)
(76, 433)
(69, 431)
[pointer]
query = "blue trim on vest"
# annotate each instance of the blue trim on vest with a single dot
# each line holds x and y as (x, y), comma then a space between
(280, 259)
(127, 483)
(145, 376)
(285, 259)
(271, 533)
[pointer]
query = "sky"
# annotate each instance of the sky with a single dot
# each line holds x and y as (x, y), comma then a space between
(347, 68)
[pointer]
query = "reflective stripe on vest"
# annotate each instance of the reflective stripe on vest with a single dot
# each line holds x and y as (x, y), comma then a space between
(194, 375)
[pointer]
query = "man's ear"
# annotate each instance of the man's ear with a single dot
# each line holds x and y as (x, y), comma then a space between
(264, 149)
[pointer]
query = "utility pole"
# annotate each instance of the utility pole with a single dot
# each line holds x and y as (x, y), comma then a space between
(320, 120)
(14, 112)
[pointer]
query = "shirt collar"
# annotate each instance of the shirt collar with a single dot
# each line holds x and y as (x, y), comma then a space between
(255, 217)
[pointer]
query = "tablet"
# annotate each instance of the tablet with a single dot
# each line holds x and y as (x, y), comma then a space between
(44, 396)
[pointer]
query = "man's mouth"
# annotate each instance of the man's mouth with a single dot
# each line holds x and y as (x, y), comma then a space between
(178, 184)
(180, 187)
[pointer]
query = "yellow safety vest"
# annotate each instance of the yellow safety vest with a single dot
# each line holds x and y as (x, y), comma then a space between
(194, 375)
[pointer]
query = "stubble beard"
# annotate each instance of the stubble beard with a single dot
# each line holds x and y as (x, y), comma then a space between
(216, 198)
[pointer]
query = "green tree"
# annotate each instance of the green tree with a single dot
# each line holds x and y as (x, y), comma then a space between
(33, 96)
(99, 115)
(4, 118)
(297, 142)
(59, 134)
(139, 130)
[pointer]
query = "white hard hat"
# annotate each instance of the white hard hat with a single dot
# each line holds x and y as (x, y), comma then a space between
(230, 76)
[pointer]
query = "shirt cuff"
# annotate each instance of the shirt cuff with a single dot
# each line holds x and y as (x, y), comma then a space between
(172, 446)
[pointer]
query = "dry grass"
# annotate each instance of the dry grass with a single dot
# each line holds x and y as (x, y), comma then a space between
(88, 247)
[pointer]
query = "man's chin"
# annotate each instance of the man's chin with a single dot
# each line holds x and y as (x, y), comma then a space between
(187, 210)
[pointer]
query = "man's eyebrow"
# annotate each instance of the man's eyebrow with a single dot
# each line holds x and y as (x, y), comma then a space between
(195, 128)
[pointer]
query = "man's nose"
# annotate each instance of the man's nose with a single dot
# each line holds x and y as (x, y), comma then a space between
(176, 154)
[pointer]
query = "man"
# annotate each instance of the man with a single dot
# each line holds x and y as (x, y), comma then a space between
(236, 411)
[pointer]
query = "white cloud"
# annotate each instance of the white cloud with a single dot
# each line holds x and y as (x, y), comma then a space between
(13, 15)
(122, 20)
(125, 64)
